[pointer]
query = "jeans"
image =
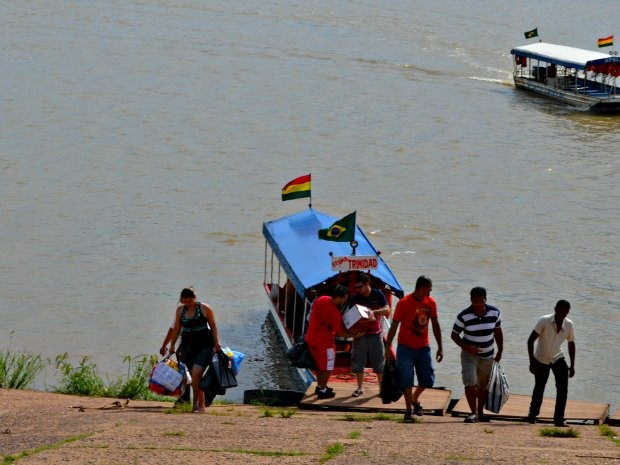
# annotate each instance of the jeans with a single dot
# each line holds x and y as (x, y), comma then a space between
(560, 372)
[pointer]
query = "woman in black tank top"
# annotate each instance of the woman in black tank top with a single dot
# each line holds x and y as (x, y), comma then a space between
(195, 321)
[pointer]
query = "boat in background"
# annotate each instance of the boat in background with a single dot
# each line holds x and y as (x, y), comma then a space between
(300, 267)
(578, 77)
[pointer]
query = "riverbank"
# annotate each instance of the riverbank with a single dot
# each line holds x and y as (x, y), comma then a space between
(41, 427)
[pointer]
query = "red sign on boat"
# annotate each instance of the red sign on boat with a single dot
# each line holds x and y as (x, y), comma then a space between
(353, 262)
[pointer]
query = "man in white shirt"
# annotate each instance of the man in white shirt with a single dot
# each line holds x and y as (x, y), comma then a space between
(551, 331)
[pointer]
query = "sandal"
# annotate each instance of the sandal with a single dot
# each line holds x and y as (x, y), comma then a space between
(357, 392)
(418, 409)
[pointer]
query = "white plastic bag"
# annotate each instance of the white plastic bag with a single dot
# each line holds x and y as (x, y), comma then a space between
(499, 390)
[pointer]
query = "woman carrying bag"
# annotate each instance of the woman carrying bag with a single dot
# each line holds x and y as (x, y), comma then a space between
(195, 321)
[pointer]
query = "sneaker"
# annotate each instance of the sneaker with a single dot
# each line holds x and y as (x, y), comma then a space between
(357, 392)
(471, 419)
(418, 409)
(561, 424)
(531, 419)
(317, 390)
(326, 394)
(408, 416)
(484, 418)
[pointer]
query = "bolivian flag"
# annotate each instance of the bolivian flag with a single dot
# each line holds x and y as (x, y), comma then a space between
(342, 230)
(606, 42)
(298, 188)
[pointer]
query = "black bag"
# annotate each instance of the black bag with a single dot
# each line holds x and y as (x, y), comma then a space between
(390, 387)
(300, 356)
(222, 371)
(209, 384)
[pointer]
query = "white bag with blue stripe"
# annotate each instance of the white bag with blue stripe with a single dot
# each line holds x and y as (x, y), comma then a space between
(499, 390)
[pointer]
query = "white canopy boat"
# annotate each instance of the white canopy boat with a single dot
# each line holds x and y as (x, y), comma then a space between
(578, 77)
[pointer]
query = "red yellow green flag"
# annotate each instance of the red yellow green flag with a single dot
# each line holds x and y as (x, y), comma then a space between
(606, 42)
(298, 188)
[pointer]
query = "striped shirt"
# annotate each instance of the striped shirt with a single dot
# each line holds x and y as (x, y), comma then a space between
(479, 331)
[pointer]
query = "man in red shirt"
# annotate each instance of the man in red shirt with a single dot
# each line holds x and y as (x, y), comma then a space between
(325, 323)
(413, 312)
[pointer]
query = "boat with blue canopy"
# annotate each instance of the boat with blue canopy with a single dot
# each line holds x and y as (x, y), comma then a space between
(582, 78)
(300, 267)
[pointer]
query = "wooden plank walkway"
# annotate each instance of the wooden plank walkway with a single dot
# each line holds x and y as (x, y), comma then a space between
(518, 406)
(615, 418)
(434, 401)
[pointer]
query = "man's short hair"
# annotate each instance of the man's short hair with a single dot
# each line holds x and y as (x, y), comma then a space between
(423, 281)
(563, 305)
(339, 291)
(478, 292)
(362, 278)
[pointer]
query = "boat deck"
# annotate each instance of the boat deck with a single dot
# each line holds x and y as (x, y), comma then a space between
(434, 401)
(517, 408)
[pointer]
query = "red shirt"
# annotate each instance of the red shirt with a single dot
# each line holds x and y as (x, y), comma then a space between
(414, 317)
(325, 323)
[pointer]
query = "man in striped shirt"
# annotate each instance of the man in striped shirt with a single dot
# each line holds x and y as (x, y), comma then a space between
(480, 326)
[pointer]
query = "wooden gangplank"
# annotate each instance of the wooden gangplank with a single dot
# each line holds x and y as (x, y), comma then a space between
(517, 408)
(434, 401)
(615, 418)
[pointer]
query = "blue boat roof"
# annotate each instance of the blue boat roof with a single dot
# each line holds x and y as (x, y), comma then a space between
(305, 258)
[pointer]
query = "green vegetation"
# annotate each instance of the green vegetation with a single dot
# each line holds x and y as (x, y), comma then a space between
(9, 459)
(181, 407)
(488, 430)
(352, 417)
(174, 433)
(84, 380)
(610, 433)
(332, 450)
(19, 369)
(267, 413)
(288, 413)
(559, 432)
(354, 434)
(135, 384)
(380, 416)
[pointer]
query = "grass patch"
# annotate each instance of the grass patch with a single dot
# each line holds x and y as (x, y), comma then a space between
(610, 433)
(224, 402)
(83, 379)
(380, 416)
(19, 369)
(358, 418)
(174, 433)
(9, 459)
(288, 413)
(332, 450)
(266, 413)
(489, 430)
(354, 435)
(559, 433)
(181, 407)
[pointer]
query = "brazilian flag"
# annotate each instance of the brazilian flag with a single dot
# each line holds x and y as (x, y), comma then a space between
(531, 34)
(342, 230)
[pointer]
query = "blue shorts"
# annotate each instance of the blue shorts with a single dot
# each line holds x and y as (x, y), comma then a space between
(408, 360)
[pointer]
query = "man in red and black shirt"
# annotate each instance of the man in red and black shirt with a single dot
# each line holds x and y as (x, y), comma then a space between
(325, 323)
